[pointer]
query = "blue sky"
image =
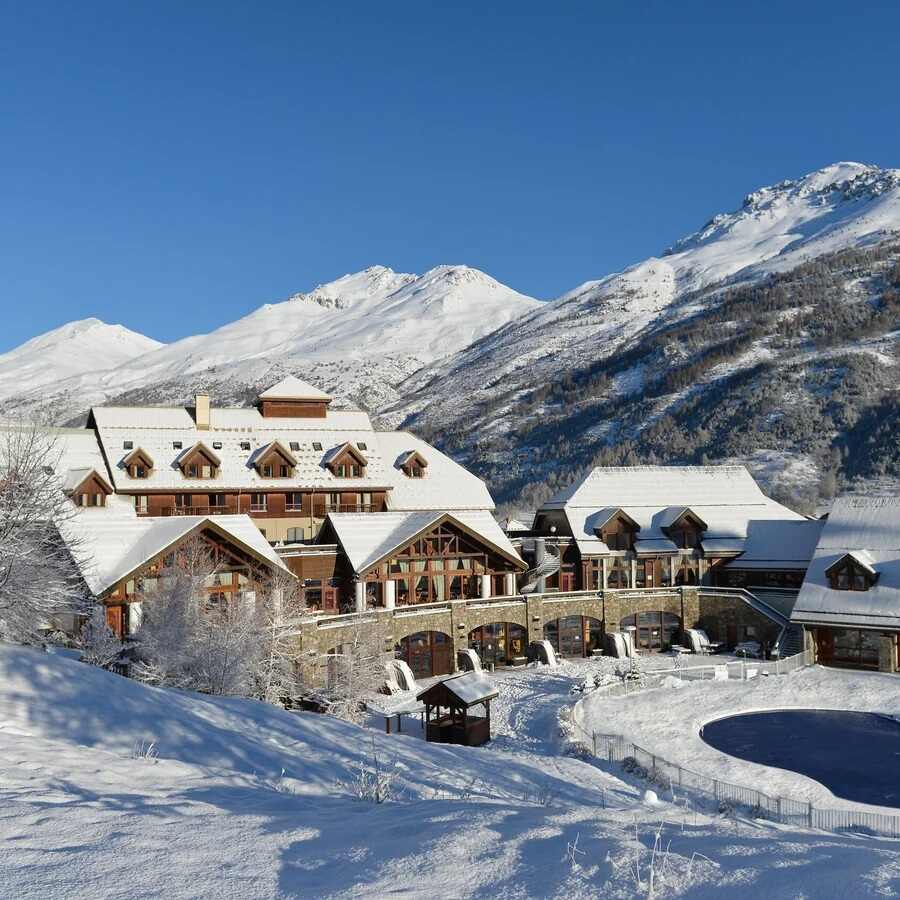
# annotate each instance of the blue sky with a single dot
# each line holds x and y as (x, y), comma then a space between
(172, 166)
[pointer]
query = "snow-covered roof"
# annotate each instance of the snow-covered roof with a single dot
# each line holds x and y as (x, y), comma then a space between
(293, 388)
(367, 538)
(774, 544)
(470, 688)
(112, 542)
(725, 498)
(868, 528)
(237, 436)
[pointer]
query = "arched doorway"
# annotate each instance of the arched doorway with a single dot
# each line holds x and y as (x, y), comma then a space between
(574, 635)
(427, 653)
(498, 643)
(655, 630)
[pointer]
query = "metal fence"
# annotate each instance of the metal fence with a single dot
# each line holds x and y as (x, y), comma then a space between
(670, 777)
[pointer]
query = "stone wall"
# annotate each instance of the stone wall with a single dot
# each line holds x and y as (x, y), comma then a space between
(385, 628)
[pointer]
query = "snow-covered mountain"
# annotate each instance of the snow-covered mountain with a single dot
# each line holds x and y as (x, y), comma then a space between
(87, 346)
(613, 339)
(356, 336)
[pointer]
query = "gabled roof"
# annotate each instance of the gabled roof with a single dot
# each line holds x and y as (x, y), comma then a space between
(347, 447)
(369, 538)
(409, 457)
(138, 452)
(868, 529)
(74, 478)
(469, 689)
(273, 446)
(199, 447)
(724, 498)
(112, 543)
(674, 514)
(862, 558)
(604, 516)
(292, 388)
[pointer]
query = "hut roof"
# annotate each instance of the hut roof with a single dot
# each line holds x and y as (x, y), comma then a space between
(468, 689)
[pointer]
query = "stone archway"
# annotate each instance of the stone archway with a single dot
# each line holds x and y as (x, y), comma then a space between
(427, 653)
(499, 643)
(574, 636)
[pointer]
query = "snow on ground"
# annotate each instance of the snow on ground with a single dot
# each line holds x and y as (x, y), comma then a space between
(82, 817)
(667, 721)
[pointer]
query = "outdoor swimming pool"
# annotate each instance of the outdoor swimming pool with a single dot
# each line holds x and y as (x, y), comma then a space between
(855, 755)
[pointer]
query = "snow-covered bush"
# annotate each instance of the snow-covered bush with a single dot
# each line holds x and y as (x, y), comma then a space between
(372, 783)
(355, 673)
(99, 644)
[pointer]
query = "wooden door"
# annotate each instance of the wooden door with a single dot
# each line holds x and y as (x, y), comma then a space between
(115, 618)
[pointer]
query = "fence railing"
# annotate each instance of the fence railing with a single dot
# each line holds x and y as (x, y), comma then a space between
(736, 669)
(725, 795)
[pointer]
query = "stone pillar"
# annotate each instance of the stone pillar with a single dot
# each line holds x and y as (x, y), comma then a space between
(390, 594)
(672, 571)
(509, 584)
(633, 582)
(887, 653)
(459, 630)
(359, 592)
(535, 618)
(485, 587)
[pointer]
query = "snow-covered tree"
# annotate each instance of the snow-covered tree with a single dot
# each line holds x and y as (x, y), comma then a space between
(277, 609)
(355, 673)
(39, 580)
(99, 644)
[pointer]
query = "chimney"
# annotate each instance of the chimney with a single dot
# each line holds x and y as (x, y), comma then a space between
(201, 412)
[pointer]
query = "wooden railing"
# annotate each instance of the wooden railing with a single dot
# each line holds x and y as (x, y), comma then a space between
(226, 510)
(320, 510)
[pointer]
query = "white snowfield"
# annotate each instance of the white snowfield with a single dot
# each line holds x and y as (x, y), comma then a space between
(214, 816)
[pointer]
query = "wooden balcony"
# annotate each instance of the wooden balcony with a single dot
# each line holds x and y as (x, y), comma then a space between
(322, 510)
(227, 509)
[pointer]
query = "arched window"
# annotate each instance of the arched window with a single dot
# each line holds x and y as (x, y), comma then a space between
(655, 630)
(427, 653)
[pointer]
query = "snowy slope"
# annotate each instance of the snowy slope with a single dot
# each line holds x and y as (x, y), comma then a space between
(370, 327)
(842, 205)
(247, 801)
(85, 346)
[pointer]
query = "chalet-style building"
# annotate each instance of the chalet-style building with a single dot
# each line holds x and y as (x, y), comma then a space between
(658, 526)
(646, 528)
(403, 558)
(850, 599)
(292, 464)
(121, 555)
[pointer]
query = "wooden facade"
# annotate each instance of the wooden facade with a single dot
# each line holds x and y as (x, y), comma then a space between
(445, 563)
(236, 571)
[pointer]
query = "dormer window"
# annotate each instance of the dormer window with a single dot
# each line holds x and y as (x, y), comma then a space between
(852, 572)
(317, 446)
(138, 464)
(295, 446)
(199, 462)
(245, 445)
(217, 445)
(87, 487)
(275, 461)
(362, 445)
(127, 445)
(176, 445)
(686, 530)
(616, 529)
(346, 461)
(413, 464)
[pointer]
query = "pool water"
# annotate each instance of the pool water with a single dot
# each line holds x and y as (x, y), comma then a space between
(855, 755)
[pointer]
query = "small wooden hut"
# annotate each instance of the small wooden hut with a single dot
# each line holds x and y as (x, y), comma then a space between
(449, 706)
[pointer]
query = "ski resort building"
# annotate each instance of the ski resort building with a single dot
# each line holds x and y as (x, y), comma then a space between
(850, 599)
(642, 531)
(122, 556)
(364, 518)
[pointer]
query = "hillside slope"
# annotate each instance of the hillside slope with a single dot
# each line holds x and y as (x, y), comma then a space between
(248, 801)
(793, 296)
